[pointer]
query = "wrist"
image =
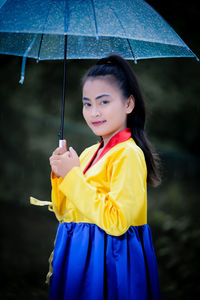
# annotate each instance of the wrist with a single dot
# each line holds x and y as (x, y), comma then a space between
(66, 173)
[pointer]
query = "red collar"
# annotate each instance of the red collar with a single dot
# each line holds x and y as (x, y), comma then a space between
(119, 137)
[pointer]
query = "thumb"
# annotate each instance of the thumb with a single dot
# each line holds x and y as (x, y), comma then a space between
(72, 151)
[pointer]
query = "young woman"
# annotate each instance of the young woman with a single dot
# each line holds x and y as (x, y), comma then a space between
(103, 249)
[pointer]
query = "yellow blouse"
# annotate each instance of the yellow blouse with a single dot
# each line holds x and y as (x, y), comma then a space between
(111, 194)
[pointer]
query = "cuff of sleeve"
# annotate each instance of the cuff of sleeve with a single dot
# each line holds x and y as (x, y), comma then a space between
(55, 179)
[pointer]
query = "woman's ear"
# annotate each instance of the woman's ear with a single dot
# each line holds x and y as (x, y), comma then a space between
(130, 104)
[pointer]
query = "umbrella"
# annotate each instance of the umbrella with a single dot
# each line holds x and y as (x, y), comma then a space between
(85, 29)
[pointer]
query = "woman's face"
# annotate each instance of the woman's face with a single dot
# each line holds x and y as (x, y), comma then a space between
(104, 108)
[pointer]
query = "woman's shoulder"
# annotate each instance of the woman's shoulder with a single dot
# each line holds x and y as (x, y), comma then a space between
(128, 148)
(128, 153)
(127, 157)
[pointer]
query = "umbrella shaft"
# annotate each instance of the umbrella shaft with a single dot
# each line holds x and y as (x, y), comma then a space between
(64, 88)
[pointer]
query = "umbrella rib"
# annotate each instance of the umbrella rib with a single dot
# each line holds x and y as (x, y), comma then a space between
(135, 60)
(2, 3)
(119, 21)
(41, 40)
(124, 34)
(95, 19)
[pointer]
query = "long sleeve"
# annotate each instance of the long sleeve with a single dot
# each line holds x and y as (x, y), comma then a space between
(60, 203)
(116, 208)
(57, 197)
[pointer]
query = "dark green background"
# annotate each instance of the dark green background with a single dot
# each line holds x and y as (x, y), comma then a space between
(29, 124)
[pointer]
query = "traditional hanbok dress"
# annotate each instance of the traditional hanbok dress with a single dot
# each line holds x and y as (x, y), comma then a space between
(103, 248)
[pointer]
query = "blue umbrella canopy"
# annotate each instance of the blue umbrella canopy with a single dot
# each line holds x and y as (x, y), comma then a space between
(94, 29)
(86, 29)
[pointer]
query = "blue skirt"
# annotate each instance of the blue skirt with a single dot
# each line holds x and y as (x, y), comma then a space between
(89, 264)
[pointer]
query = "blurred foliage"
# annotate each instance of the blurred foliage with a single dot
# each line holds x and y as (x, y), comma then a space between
(29, 127)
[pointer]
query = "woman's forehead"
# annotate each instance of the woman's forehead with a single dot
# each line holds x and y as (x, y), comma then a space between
(103, 84)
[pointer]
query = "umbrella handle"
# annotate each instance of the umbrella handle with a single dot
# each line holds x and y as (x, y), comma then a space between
(61, 143)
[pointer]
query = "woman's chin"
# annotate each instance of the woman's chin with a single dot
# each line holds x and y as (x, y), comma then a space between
(98, 132)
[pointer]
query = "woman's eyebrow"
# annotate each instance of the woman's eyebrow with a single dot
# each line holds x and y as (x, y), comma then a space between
(98, 97)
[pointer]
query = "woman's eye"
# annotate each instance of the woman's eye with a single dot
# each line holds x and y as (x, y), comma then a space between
(104, 101)
(86, 104)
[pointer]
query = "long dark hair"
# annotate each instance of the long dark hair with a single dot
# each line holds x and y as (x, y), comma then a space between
(122, 73)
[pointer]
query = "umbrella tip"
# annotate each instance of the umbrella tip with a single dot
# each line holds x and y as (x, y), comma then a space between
(21, 80)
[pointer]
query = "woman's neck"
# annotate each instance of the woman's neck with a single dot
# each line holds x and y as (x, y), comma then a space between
(108, 137)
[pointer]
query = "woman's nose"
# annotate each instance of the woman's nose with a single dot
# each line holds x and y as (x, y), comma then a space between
(95, 111)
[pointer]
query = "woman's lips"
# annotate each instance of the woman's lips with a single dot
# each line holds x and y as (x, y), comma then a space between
(98, 123)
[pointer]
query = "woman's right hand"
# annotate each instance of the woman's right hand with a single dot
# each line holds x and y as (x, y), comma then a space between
(59, 151)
